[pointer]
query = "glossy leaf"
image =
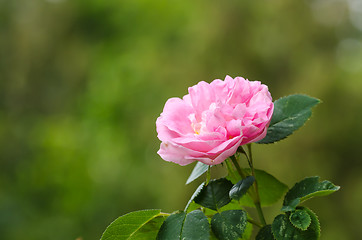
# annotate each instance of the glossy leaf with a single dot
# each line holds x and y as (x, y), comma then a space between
(305, 189)
(199, 169)
(270, 189)
(283, 229)
(241, 187)
(300, 219)
(265, 233)
(290, 113)
(229, 225)
(142, 224)
(185, 226)
(172, 226)
(214, 195)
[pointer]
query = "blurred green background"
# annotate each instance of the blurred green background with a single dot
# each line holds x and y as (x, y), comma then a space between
(83, 81)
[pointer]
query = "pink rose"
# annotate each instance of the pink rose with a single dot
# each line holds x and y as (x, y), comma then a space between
(213, 120)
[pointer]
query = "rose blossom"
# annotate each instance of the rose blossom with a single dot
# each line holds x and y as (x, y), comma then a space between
(213, 120)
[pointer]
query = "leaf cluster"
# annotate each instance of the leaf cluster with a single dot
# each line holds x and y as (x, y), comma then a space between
(216, 210)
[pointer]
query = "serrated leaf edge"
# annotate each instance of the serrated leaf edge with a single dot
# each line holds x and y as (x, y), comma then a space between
(316, 216)
(308, 109)
(287, 208)
(194, 195)
(159, 214)
(290, 220)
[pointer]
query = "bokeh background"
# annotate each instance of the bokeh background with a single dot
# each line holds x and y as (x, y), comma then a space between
(83, 81)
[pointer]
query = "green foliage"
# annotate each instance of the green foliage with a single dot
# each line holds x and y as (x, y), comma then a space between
(81, 83)
(265, 233)
(283, 229)
(270, 189)
(142, 224)
(300, 219)
(229, 225)
(214, 195)
(290, 113)
(199, 169)
(182, 225)
(198, 190)
(241, 187)
(306, 189)
(248, 231)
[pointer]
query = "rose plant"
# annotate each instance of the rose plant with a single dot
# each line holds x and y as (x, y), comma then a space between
(217, 123)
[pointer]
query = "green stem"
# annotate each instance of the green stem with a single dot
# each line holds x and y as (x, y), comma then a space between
(253, 194)
(255, 223)
(164, 214)
(257, 199)
(230, 169)
(208, 175)
(237, 166)
(250, 159)
(241, 150)
(260, 213)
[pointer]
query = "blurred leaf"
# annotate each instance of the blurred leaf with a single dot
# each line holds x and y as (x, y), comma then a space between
(300, 219)
(215, 195)
(306, 189)
(142, 224)
(193, 225)
(265, 233)
(283, 229)
(270, 189)
(199, 169)
(229, 225)
(241, 187)
(290, 113)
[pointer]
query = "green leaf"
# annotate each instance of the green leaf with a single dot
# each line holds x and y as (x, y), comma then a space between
(290, 113)
(229, 225)
(300, 219)
(182, 225)
(142, 224)
(172, 226)
(230, 206)
(214, 195)
(199, 169)
(248, 231)
(241, 187)
(198, 190)
(283, 229)
(270, 189)
(265, 233)
(196, 226)
(305, 189)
